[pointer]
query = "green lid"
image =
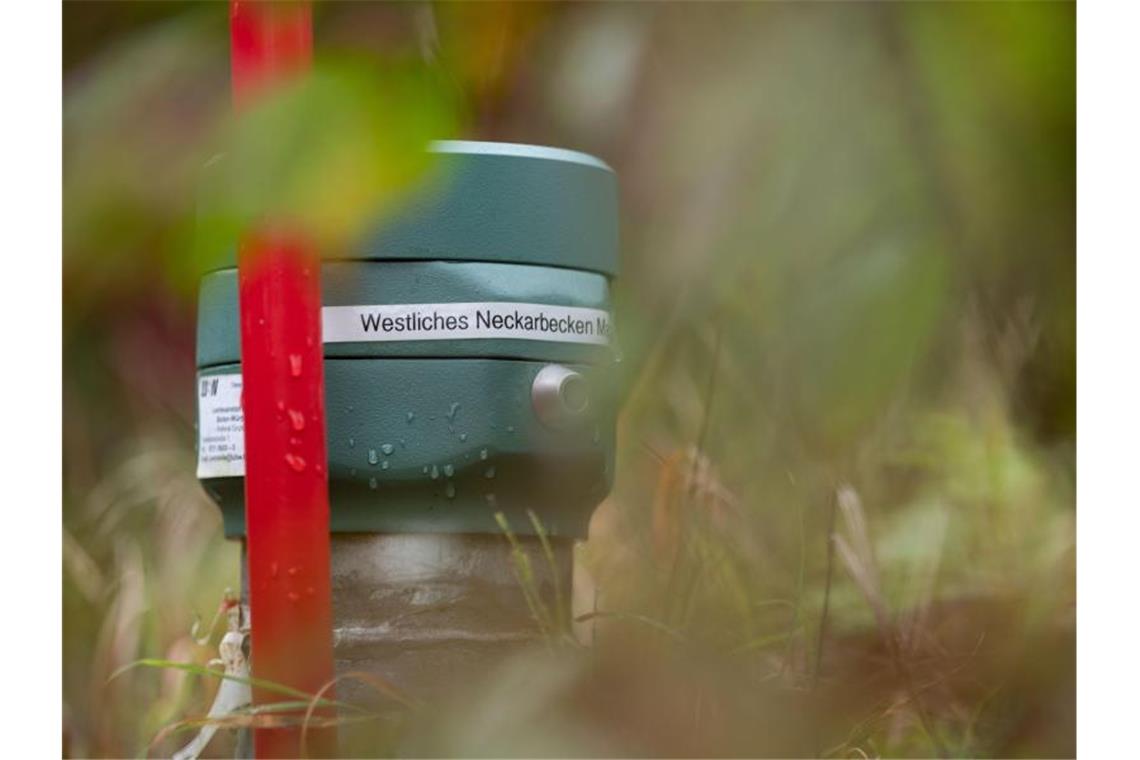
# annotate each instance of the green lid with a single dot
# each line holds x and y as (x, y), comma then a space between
(481, 201)
(504, 202)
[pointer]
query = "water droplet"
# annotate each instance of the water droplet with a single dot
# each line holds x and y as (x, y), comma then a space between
(450, 490)
(452, 412)
(411, 416)
(372, 483)
(280, 406)
(448, 470)
(403, 444)
(483, 454)
(372, 457)
(295, 462)
(510, 428)
(387, 448)
(489, 473)
(273, 569)
(384, 465)
(425, 469)
(294, 570)
(295, 365)
(463, 436)
(294, 441)
(297, 419)
(352, 443)
(294, 596)
(434, 472)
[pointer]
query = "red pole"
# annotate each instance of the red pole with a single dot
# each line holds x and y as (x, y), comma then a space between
(286, 484)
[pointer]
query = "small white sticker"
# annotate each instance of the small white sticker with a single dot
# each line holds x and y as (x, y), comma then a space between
(464, 321)
(221, 429)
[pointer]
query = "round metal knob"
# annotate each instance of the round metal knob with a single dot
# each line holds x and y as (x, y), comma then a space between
(561, 396)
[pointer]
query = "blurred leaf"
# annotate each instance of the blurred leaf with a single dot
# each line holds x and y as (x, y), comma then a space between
(328, 153)
(135, 120)
(860, 329)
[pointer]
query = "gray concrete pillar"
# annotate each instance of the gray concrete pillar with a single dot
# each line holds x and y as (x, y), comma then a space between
(427, 612)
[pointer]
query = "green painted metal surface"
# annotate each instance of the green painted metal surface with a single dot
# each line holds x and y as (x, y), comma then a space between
(438, 435)
(440, 445)
(500, 202)
(428, 282)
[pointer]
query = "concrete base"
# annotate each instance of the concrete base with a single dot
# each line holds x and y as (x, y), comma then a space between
(427, 612)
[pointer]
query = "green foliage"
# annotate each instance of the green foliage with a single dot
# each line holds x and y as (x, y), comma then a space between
(327, 154)
(843, 519)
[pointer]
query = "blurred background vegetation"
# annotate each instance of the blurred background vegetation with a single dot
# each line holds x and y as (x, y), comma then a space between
(844, 514)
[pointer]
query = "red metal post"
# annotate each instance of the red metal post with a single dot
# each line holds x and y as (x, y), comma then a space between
(286, 483)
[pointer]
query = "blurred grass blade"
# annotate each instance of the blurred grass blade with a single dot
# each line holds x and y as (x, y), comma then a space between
(201, 670)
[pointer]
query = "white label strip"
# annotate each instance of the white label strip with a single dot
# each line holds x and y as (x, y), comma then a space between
(465, 321)
(221, 429)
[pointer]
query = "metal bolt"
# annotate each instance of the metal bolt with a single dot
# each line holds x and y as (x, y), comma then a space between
(561, 396)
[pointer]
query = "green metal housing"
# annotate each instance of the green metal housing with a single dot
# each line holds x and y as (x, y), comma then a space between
(440, 435)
